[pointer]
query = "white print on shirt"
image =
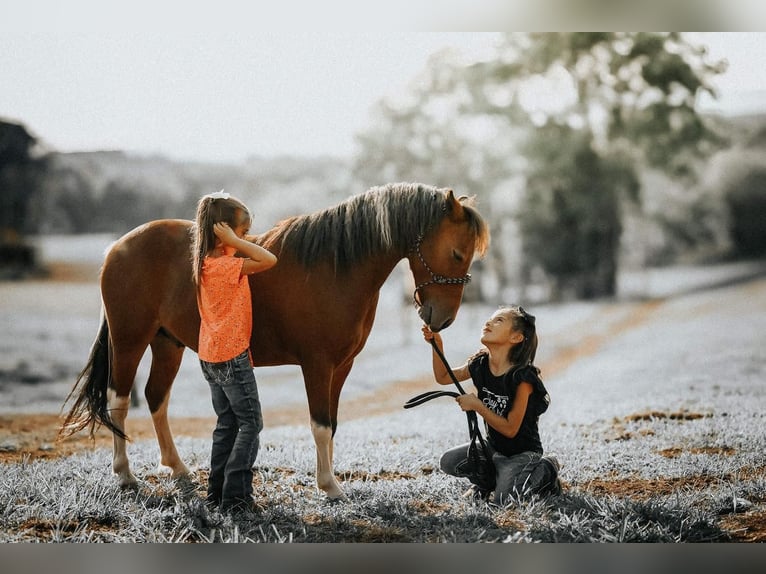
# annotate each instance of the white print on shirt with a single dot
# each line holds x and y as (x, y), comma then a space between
(496, 403)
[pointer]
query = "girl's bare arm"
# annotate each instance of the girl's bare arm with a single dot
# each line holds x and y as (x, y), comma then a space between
(440, 371)
(258, 258)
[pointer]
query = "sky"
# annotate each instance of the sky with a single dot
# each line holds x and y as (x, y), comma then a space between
(225, 97)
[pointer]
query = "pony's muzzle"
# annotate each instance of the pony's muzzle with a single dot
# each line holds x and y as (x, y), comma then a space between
(428, 317)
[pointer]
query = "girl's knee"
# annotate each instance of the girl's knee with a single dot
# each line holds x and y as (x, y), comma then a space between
(450, 462)
(445, 465)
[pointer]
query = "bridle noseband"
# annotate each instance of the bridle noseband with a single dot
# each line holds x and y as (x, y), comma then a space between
(436, 279)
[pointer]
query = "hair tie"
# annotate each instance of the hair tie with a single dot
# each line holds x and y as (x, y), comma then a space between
(219, 195)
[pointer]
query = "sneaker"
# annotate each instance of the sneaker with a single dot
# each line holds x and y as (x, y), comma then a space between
(212, 502)
(241, 507)
(476, 493)
(553, 461)
(555, 488)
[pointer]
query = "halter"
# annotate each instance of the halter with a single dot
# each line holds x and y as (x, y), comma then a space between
(436, 279)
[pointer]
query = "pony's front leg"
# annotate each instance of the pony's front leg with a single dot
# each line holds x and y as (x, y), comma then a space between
(120, 464)
(169, 458)
(325, 476)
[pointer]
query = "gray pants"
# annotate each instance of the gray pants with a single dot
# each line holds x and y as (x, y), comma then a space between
(519, 475)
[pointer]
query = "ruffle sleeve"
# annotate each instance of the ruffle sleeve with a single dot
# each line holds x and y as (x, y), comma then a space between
(531, 374)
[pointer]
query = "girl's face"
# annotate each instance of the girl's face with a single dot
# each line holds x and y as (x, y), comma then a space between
(499, 330)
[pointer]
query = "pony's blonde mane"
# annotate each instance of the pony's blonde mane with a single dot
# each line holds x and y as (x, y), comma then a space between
(384, 219)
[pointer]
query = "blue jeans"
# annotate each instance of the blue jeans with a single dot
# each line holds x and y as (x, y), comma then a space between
(522, 474)
(235, 438)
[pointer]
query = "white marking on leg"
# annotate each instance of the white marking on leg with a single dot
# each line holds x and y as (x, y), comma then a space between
(169, 459)
(118, 408)
(325, 478)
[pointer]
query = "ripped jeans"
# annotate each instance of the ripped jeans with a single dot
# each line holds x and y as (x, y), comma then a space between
(236, 436)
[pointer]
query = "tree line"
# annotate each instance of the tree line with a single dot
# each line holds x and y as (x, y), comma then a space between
(585, 150)
(565, 133)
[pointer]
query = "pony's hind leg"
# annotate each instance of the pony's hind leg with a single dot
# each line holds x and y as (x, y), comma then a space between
(124, 366)
(166, 359)
(118, 410)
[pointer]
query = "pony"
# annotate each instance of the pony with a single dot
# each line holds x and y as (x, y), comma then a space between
(314, 309)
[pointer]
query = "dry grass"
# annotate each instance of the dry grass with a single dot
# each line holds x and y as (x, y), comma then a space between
(394, 494)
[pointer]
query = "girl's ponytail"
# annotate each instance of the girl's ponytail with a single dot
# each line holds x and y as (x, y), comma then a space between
(211, 209)
(524, 353)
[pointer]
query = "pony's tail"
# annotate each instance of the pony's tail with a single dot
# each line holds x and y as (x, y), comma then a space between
(89, 396)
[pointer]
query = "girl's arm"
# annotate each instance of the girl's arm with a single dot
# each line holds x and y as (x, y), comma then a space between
(258, 258)
(440, 371)
(507, 426)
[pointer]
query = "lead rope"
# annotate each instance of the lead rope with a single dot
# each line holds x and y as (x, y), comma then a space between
(446, 364)
(473, 421)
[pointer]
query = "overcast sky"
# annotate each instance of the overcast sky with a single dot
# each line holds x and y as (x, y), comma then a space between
(223, 98)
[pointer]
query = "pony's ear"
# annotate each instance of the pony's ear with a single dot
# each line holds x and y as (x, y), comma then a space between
(453, 206)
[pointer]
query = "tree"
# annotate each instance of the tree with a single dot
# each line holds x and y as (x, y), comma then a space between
(623, 100)
(571, 213)
(20, 168)
(18, 171)
(746, 200)
(577, 115)
(426, 137)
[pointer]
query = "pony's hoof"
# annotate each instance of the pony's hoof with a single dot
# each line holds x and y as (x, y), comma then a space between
(180, 472)
(336, 499)
(175, 471)
(127, 482)
(334, 493)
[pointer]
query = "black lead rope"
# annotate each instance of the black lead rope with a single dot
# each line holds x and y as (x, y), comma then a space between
(446, 364)
(479, 467)
(473, 421)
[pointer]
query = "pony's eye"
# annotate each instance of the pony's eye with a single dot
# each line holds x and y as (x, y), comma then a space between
(457, 255)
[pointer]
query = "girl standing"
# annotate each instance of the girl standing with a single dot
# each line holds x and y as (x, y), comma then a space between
(510, 398)
(225, 307)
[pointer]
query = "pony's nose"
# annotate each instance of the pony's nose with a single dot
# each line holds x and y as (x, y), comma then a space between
(425, 314)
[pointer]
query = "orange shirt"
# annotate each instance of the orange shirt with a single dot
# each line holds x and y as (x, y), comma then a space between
(225, 308)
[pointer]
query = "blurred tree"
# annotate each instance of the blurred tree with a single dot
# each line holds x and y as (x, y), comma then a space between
(578, 114)
(746, 200)
(428, 138)
(570, 216)
(622, 100)
(67, 203)
(20, 168)
(123, 207)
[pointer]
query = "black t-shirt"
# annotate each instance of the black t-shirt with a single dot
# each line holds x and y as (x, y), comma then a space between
(497, 393)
